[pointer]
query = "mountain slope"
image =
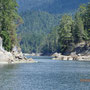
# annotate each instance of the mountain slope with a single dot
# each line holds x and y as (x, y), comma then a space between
(38, 21)
(51, 6)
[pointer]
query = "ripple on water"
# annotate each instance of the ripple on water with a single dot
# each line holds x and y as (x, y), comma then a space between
(45, 75)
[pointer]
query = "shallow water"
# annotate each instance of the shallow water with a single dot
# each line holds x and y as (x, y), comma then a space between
(46, 75)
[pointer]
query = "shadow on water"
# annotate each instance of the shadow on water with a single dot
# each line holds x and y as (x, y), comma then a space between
(4, 67)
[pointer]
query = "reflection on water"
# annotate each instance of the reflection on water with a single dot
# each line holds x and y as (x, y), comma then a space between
(6, 75)
(7, 66)
(40, 57)
(46, 75)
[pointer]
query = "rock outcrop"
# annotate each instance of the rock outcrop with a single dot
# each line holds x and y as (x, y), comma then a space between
(19, 57)
(58, 56)
(82, 48)
(15, 56)
(81, 52)
(5, 57)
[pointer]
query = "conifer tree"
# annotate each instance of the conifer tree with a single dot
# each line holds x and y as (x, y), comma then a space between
(65, 32)
(87, 20)
(79, 32)
(9, 20)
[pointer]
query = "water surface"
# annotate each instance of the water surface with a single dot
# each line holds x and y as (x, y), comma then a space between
(46, 75)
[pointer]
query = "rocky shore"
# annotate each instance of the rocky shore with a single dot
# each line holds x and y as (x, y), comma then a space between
(20, 58)
(15, 56)
(58, 56)
(81, 52)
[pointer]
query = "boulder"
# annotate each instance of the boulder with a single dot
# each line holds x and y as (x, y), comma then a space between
(56, 54)
(6, 57)
(15, 56)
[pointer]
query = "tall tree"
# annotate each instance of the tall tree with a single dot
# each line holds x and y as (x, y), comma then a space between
(87, 20)
(79, 32)
(9, 20)
(65, 32)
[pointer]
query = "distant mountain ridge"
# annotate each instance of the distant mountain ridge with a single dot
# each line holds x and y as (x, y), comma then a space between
(51, 6)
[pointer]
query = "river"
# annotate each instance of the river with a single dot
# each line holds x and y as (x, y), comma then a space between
(47, 74)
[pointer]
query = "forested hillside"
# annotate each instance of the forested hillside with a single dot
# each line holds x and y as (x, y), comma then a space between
(51, 6)
(39, 21)
(35, 28)
(40, 30)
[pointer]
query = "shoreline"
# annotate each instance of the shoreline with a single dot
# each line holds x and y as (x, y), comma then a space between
(19, 61)
(58, 56)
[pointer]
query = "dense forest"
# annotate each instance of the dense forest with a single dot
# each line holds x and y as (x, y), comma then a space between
(38, 21)
(72, 30)
(43, 31)
(61, 37)
(9, 20)
(36, 26)
(50, 6)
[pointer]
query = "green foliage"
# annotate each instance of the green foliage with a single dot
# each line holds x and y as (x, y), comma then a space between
(6, 40)
(51, 44)
(51, 6)
(41, 31)
(38, 22)
(40, 42)
(32, 42)
(65, 32)
(79, 32)
(87, 20)
(35, 29)
(74, 31)
(9, 20)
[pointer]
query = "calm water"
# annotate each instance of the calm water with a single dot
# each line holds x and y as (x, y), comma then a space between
(46, 75)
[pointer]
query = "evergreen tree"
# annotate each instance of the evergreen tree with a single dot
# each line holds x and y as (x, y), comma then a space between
(9, 19)
(65, 32)
(87, 20)
(79, 32)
